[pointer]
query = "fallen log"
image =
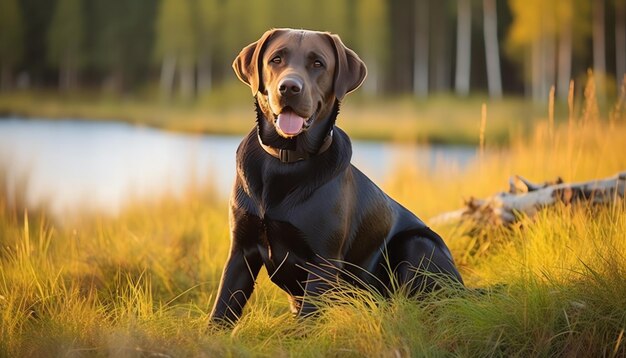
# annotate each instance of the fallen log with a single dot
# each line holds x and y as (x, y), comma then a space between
(525, 197)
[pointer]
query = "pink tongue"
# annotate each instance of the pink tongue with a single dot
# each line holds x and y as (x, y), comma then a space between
(290, 123)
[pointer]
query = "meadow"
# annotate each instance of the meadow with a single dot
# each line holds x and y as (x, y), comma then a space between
(442, 119)
(142, 284)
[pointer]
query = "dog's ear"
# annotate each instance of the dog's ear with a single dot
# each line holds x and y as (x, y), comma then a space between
(248, 64)
(350, 71)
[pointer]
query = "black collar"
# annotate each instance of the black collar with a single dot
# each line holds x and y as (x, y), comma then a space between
(291, 156)
(313, 142)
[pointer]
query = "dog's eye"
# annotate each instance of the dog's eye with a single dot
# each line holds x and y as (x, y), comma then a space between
(276, 60)
(318, 64)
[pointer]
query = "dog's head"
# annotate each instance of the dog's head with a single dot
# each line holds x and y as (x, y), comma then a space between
(297, 75)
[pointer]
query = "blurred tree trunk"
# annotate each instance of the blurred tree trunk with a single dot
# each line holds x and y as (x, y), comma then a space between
(5, 80)
(421, 53)
(65, 40)
(205, 78)
(168, 70)
(492, 52)
(620, 40)
(176, 46)
(372, 27)
(564, 59)
(463, 47)
(186, 79)
(599, 48)
(536, 68)
(441, 64)
(548, 44)
(68, 73)
(206, 18)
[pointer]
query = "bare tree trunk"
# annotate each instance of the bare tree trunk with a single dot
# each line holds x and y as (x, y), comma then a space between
(168, 71)
(536, 68)
(5, 81)
(73, 73)
(441, 64)
(548, 43)
(420, 60)
(490, 22)
(114, 82)
(205, 78)
(463, 47)
(65, 72)
(564, 60)
(186, 80)
(371, 83)
(599, 48)
(620, 40)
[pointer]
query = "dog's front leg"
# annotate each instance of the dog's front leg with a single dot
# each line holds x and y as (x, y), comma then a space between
(236, 286)
(321, 278)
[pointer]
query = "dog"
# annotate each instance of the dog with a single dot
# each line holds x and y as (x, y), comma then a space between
(298, 207)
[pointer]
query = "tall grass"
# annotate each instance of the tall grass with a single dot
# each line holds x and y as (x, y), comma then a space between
(142, 283)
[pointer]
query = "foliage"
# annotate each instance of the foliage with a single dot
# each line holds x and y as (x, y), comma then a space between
(122, 38)
(11, 33)
(126, 41)
(175, 32)
(66, 34)
(535, 20)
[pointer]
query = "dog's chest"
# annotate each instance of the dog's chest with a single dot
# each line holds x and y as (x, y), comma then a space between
(285, 252)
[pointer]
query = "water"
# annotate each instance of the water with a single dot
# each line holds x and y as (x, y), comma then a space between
(71, 165)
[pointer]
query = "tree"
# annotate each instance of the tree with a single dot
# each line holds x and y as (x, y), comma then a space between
(11, 34)
(421, 47)
(207, 28)
(492, 52)
(65, 41)
(620, 40)
(541, 36)
(372, 28)
(122, 40)
(176, 47)
(463, 47)
(599, 46)
(564, 14)
(441, 49)
(527, 42)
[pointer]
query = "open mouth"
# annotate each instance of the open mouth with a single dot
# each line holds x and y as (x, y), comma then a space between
(290, 123)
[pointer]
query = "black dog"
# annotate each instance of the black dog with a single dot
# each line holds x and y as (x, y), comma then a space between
(298, 206)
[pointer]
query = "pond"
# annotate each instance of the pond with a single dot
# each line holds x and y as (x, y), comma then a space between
(72, 165)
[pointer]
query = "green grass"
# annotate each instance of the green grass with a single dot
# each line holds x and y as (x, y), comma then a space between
(141, 284)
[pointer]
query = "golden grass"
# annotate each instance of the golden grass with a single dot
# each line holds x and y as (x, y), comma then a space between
(142, 283)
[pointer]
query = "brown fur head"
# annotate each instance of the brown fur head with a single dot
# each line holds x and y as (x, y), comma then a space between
(297, 75)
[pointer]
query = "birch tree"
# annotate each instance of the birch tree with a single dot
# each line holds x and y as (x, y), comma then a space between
(207, 29)
(565, 16)
(175, 47)
(463, 47)
(492, 51)
(542, 37)
(421, 47)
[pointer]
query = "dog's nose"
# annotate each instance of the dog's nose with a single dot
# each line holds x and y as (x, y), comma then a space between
(290, 86)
